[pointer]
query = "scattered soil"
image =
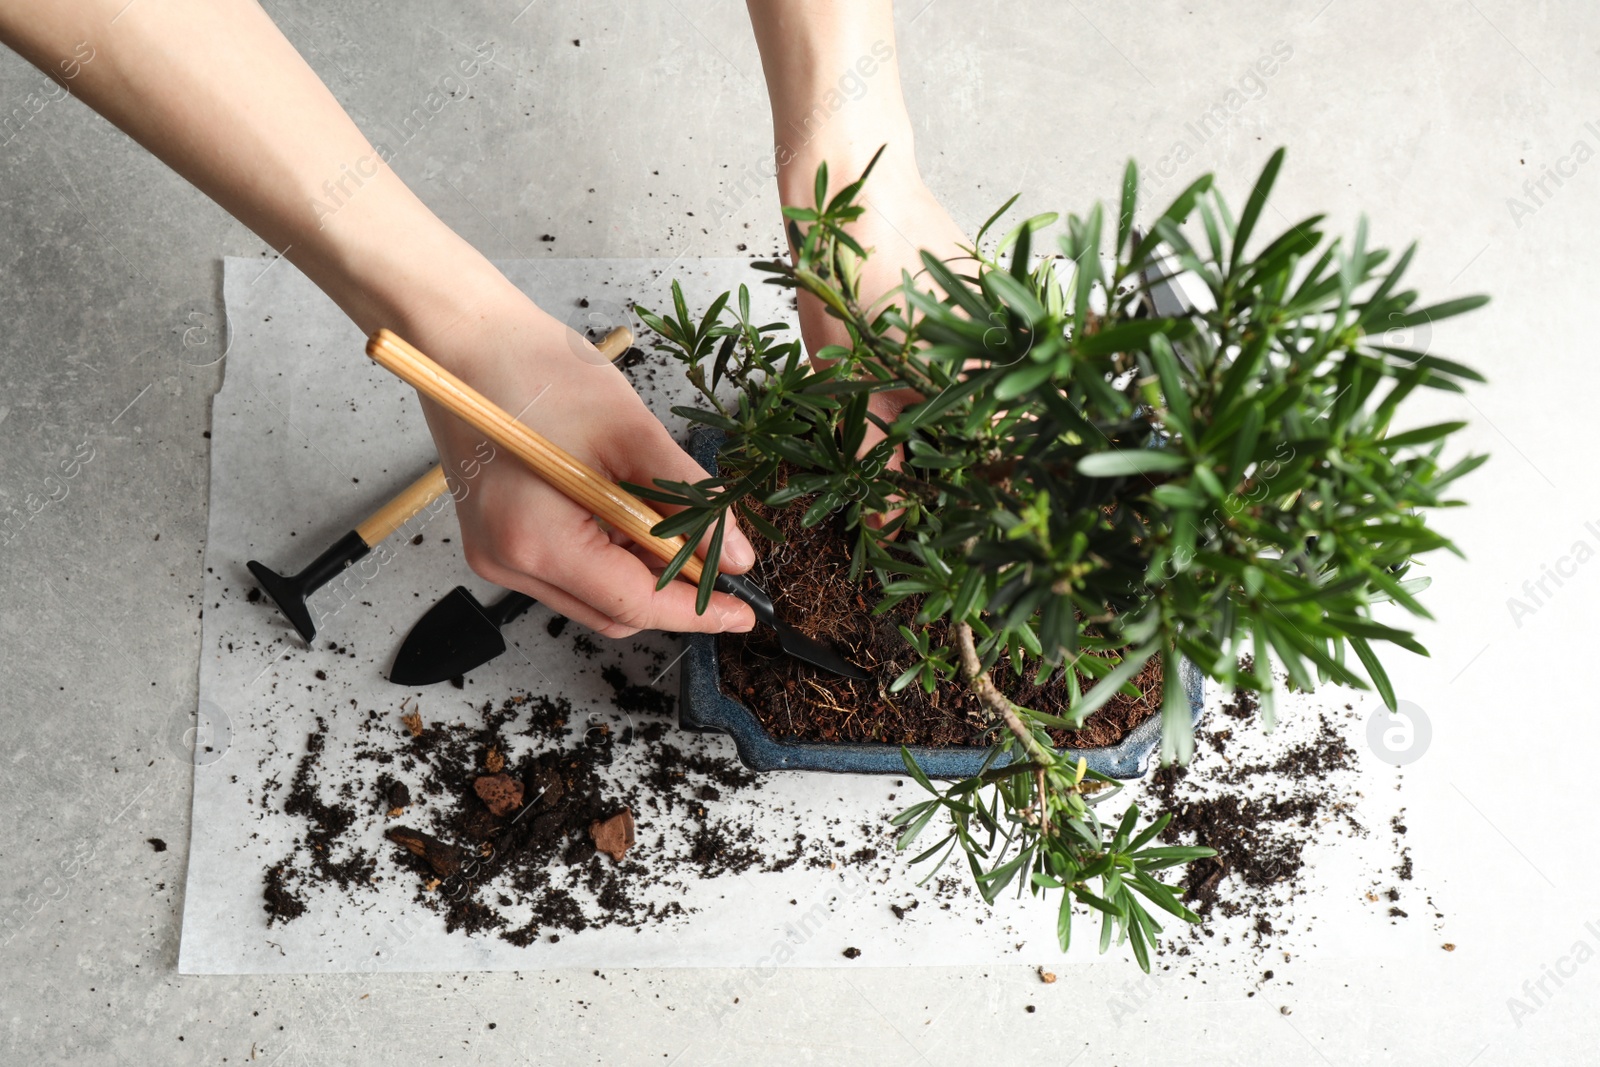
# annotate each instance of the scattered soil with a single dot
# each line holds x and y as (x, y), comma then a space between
(283, 904)
(808, 578)
(522, 846)
(1260, 834)
(1402, 870)
(327, 823)
(439, 799)
(1261, 818)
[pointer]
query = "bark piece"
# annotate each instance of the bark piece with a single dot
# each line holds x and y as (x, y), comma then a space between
(614, 836)
(500, 792)
(443, 857)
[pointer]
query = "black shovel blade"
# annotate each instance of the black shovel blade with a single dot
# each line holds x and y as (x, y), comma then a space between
(456, 635)
(816, 653)
(792, 641)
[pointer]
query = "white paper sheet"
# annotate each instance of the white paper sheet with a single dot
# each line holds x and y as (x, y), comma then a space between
(307, 437)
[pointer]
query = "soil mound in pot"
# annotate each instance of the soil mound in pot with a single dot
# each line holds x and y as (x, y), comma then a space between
(808, 578)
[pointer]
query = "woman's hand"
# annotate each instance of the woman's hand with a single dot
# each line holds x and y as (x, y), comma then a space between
(902, 218)
(519, 532)
(809, 49)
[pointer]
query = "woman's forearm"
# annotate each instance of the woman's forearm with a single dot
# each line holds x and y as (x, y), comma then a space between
(212, 88)
(833, 77)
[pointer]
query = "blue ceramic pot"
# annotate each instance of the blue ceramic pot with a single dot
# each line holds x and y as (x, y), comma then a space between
(704, 707)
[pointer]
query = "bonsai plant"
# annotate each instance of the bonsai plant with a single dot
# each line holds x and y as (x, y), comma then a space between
(1084, 488)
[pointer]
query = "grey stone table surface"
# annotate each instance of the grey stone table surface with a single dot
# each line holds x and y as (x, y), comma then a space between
(1470, 124)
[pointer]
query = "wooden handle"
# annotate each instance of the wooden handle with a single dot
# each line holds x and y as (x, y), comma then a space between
(426, 489)
(397, 512)
(575, 480)
(613, 344)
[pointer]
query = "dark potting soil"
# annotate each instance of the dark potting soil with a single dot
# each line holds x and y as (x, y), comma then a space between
(1260, 835)
(283, 903)
(408, 790)
(520, 873)
(531, 874)
(1261, 817)
(808, 578)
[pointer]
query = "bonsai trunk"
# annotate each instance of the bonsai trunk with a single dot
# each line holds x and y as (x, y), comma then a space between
(978, 681)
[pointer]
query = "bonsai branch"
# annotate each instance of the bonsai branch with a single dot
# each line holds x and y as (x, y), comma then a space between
(994, 700)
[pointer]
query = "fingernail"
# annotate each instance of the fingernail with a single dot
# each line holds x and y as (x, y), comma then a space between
(739, 553)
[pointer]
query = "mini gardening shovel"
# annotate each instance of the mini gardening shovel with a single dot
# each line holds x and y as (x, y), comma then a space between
(586, 487)
(454, 636)
(292, 592)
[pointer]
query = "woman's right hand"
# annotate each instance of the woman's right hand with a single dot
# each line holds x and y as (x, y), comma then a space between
(519, 532)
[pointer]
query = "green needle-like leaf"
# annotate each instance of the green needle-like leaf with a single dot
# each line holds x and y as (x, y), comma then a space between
(1123, 464)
